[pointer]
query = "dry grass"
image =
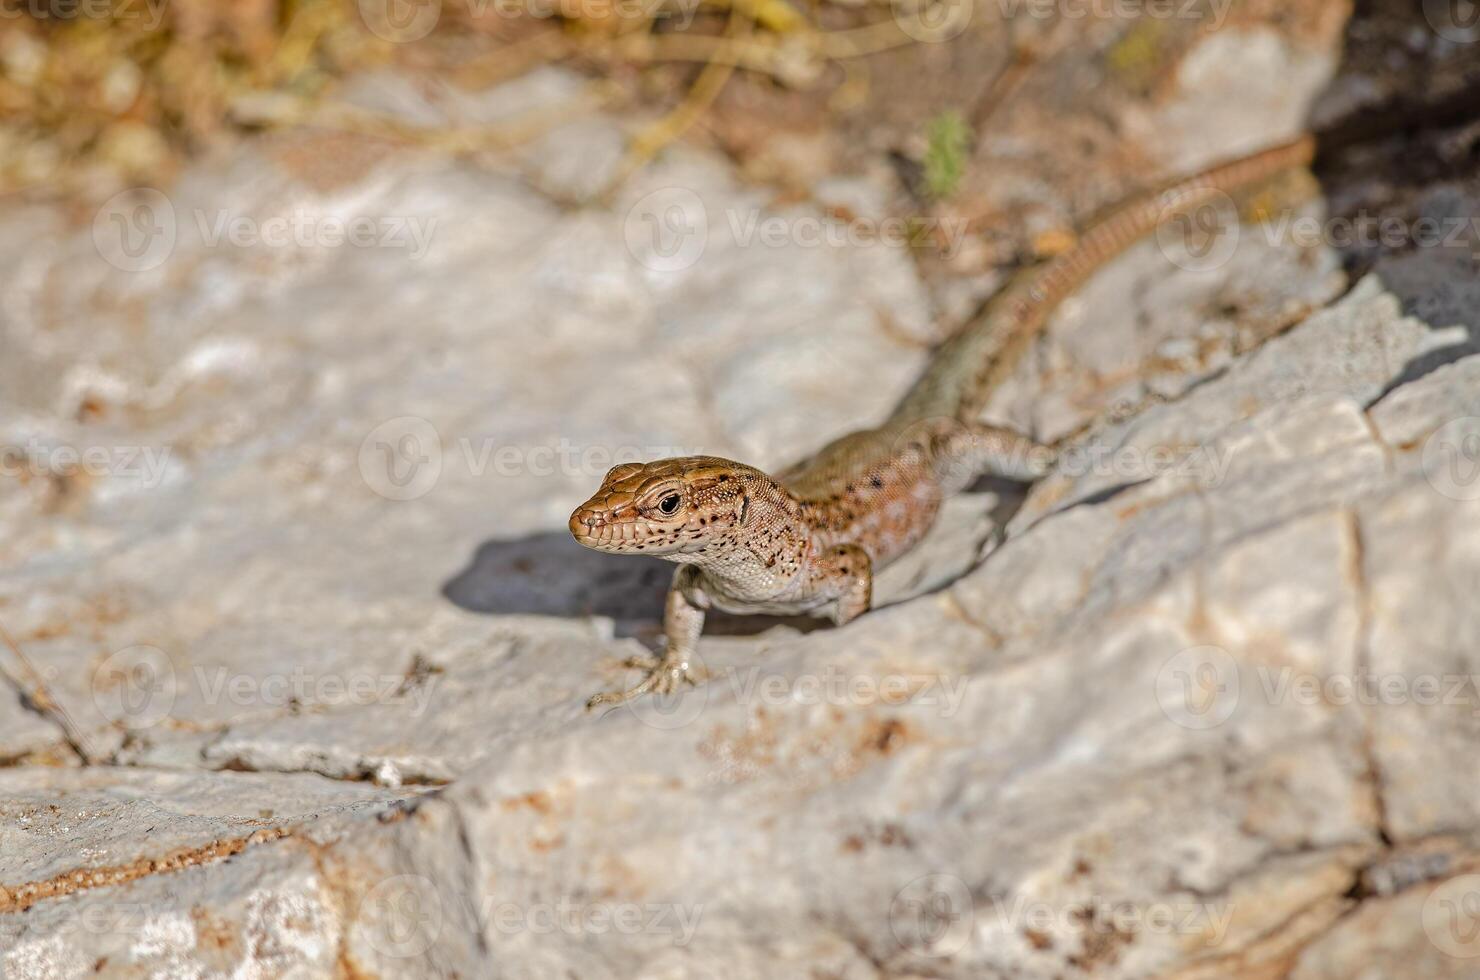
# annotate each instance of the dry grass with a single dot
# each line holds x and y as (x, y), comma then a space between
(129, 86)
(108, 91)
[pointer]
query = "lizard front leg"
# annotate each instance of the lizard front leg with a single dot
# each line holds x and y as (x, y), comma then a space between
(683, 621)
(849, 573)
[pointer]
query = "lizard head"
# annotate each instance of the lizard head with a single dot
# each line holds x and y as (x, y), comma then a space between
(667, 508)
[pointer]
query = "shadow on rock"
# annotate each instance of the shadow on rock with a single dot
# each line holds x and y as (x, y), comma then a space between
(549, 574)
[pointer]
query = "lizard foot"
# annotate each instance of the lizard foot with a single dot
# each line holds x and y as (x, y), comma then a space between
(664, 677)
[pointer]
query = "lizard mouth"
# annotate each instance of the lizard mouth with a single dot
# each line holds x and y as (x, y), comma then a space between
(592, 529)
(595, 529)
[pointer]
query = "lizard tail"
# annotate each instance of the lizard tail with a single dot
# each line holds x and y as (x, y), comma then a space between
(969, 366)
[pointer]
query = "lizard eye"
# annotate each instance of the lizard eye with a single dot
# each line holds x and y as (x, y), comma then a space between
(669, 504)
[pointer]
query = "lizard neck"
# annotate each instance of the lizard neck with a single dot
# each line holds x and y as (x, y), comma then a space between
(767, 547)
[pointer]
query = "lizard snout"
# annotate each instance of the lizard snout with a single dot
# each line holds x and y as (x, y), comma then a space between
(585, 520)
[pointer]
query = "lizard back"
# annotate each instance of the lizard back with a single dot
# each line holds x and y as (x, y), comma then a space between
(882, 488)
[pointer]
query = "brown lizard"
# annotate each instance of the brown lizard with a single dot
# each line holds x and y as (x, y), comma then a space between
(811, 539)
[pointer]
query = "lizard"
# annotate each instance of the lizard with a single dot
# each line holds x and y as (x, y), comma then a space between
(810, 539)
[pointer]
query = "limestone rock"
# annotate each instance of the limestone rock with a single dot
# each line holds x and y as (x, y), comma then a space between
(322, 540)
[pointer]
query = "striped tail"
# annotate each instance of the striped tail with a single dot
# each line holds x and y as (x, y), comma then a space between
(968, 367)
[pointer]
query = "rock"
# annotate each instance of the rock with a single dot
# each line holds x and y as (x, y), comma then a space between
(1347, 353)
(1103, 351)
(576, 162)
(176, 872)
(334, 645)
(1238, 91)
(188, 481)
(1413, 933)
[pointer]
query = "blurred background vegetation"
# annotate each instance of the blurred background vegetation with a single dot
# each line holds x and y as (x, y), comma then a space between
(108, 90)
(1017, 117)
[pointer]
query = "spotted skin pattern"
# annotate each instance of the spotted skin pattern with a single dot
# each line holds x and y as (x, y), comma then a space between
(811, 540)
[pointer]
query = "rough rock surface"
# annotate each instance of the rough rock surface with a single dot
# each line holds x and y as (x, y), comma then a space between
(1205, 711)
